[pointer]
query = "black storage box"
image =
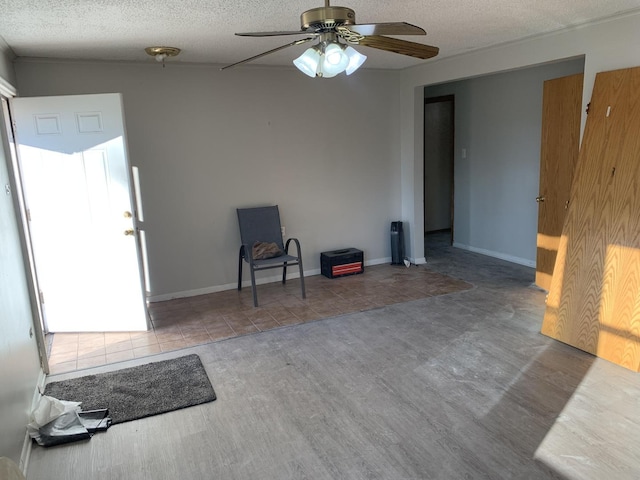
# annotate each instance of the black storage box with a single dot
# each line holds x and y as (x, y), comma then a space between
(338, 263)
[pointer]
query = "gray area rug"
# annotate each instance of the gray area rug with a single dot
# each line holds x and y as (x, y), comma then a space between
(141, 391)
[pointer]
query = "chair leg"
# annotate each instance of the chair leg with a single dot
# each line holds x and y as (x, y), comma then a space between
(253, 287)
(284, 273)
(304, 292)
(240, 268)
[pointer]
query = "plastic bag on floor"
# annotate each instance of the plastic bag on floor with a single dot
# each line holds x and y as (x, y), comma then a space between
(54, 422)
(47, 410)
(66, 428)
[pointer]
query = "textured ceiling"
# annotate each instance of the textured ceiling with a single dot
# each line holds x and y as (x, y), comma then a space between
(204, 29)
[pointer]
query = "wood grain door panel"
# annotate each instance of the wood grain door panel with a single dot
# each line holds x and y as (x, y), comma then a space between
(560, 144)
(594, 300)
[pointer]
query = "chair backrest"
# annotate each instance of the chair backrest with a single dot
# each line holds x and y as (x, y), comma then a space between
(260, 224)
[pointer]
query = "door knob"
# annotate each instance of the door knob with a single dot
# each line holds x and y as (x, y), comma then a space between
(127, 214)
(540, 199)
(129, 231)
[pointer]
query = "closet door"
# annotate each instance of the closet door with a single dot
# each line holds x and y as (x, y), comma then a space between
(594, 301)
(560, 144)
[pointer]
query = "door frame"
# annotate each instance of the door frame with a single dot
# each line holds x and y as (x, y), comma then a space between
(7, 136)
(452, 100)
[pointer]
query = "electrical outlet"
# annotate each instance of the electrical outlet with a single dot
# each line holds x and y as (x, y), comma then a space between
(284, 232)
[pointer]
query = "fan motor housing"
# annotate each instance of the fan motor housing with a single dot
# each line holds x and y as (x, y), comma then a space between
(327, 17)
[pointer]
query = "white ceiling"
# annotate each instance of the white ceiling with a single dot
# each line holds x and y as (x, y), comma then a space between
(204, 29)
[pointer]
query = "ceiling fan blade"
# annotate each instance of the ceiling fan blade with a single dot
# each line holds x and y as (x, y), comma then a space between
(390, 28)
(274, 34)
(403, 47)
(297, 42)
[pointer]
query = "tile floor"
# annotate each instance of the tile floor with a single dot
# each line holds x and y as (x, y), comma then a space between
(185, 322)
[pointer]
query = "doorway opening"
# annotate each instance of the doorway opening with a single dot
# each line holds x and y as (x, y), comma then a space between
(439, 132)
(82, 219)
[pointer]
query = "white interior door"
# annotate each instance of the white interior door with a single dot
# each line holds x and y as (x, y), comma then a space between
(77, 183)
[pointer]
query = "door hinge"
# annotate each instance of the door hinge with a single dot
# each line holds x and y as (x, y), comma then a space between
(41, 295)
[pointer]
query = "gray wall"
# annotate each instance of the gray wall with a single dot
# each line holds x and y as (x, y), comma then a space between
(604, 45)
(19, 363)
(498, 122)
(207, 142)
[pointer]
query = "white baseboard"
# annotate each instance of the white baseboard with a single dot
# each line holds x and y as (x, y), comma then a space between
(501, 256)
(25, 455)
(377, 261)
(228, 286)
(247, 283)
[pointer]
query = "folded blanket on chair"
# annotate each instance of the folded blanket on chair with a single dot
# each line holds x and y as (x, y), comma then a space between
(263, 250)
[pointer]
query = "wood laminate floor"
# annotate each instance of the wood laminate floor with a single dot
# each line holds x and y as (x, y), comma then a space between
(447, 387)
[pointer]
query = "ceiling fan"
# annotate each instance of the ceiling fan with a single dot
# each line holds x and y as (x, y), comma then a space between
(336, 29)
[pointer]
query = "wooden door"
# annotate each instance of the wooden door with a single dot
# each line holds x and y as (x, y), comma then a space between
(560, 144)
(77, 184)
(594, 301)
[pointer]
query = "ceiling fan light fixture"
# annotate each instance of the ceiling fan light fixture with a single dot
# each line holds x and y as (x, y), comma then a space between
(328, 59)
(336, 28)
(356, 59)
(308, 62)
(334, 60)
(162, 53)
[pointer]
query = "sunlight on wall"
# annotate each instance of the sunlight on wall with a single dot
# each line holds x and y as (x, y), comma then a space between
(142, 234)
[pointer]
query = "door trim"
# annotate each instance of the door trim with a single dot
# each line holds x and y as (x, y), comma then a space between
(8, 144)
(6, 89)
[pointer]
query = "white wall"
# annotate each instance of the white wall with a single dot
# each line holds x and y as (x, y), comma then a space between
(207, 142)
(498, 124)
(606, 45)
(19, 363)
